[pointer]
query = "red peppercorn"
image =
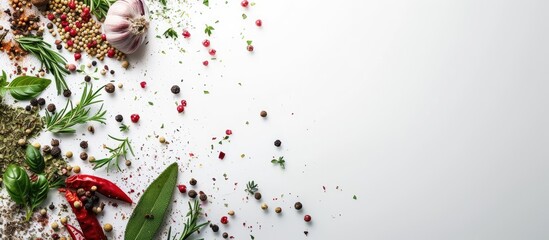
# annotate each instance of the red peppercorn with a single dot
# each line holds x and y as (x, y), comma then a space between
(307, 218)
(228, 132)
(184, 103)
(143, 84)
(205, 63)
(103, 37)
(250, 48)
(78, 24)
(212, 52)
(70, 43)
(244, 3)
(180, 108)
(206, 43)
(73, 32)
(186, 34)
(110, 53)
(224, 220)
(72, 5)
(135, 118)
(67, 29)
(77, 56)
(182, 188)
(258, 22)
(63, 17)
(221, 155)
(51, 16)
(86, 10)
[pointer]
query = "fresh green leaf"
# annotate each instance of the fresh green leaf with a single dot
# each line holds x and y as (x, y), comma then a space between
(124, 128)
(206, 2)
(148, 215)
(27, 87)
(249, 42)
(34, 159)
(208, 30)
(206, 92)
(17, 184)
(354, 197)
(39, 191)
(170, 33)
(164, 2)
(244, 16)
(3, 83)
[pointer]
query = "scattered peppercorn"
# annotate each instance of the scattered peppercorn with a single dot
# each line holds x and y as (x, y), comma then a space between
(231, 213)
(214, 227)
(58, 46)
(51, 207)
(55, 226)
(192, 193)
(192, 181)
(225, 235)
(128, 163)
(257, 195)
(107, 227)
(307, 218)
(224, 220)
(34, 102)
(43, 212)
(298, 206)
(76, 169)
(91, 129)
(87, 78)
(41, 101)
(278, 210)
(264, 206)
(203, 197)
(134, 118)
(263, 114)
(119, 118)
(112, 71)
(84, 144)
(84, 156)
(55, 152)
(175, 89)
(182, 188)
(51, 107)
(55, 142)
(67, 93)
(68, 154)
(28, 108)
(109, 87)
(278, 143)
(162, 139)
(49, 25)
(46, 149)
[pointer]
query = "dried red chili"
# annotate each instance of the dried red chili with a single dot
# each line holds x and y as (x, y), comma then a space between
(104, 186)
(88, 222)
(75, 233)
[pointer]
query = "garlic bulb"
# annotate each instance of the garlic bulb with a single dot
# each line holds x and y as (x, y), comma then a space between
(126, 25)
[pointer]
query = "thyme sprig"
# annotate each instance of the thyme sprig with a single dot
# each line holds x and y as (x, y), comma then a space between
(53, 61)
(191, 226)
(251, 187)
(99, 8)
(280, 161)
(64, 120)
(121, 150)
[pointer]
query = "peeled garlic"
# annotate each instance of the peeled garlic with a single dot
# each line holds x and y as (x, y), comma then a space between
(126, 25)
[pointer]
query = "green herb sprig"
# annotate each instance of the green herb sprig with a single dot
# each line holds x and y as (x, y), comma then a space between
(208, 30)
(64, 120)
(23, 87)
(53, 61)
(124, 128)
(251, 187)
(99, 8)
(191, 225)
(121, 150)
(23, 191)
(170, 33)
(280, 161)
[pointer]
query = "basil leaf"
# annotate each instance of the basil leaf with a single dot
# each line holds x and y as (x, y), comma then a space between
(39, 191)
(27, 87)
(148, 215)
(3, 83)
(17, 183)
(34, 159)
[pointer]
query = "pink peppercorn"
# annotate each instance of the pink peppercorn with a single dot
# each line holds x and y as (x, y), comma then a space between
(184, 103)
(70, 43)
(186, 34)
(307, 218)
(180, 108)
(212, 52)
(258, 22)
(205, 63)
(250, 48)
(143, 84)
(63, 17)
(221, 155)
(103, 37)
(77, 56)
(135, 118)
(224, 220)
(51, 16)
(73, 32)
(206, 43)
(228, 132)
(244, 3)
(111, 53)
(182, 188)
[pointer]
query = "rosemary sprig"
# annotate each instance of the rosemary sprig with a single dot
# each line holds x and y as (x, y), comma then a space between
(53, 61)
(124, 128)
(99, 8)
(280, 161)
(116, 153)
(191, 225)
(251, 187)
(64, 120)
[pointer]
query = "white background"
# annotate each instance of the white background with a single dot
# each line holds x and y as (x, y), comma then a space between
(433, 113)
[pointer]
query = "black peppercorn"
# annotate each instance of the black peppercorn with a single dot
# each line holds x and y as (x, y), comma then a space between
(214, 227)
(225, 235)
(175, 89)
(34, 102)
(59, 47)
(52, 206)
(84, 156)
(41, 101)
(87, 78)
(88, 206)
(298, 206)
(67, 93)
(94, 63)
(84, 144)
(109, 87)
(46, 149)
(193, 181)
(203, 197)
(28, 108)
(278, 143)
(55, 142)
(263, 114)
(257, 195)
(49, 25)
(192, 193)
(95, 199)
(55, 152)
(118, 118)
(112, 71)
(51, 107)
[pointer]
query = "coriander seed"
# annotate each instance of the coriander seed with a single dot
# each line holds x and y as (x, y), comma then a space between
(68, 154)
(278, 210)
(107, 227)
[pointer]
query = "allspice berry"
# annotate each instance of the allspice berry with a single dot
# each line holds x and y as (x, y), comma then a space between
(55, 152)
(192, 193)
(67, 93)
(192, 181)
(298, 206)
(278, 210)
(84, 156)
(55, 142)
(51, 107)
(110, 88)
(257, 195)
(84, 144)
(203, 197)
(263, 114)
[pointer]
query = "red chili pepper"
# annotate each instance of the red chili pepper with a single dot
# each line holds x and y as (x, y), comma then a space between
(89, 224)
(104, 186)
(75, 233)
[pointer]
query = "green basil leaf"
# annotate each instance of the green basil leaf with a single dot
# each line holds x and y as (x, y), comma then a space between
(39, 191)
(3, 83)
(17, 183)
(27, 87)
(34, 159)
(148, 215)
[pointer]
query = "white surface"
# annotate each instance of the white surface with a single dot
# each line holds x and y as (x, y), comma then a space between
(434, 113)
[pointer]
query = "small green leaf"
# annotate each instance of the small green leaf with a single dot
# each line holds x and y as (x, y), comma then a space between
(249, 42)
(354, 197)
(34, 159)
(208, 29)
(148, 215)
(206, 2)
(206, 92)
(244, 16)
(26, 87)
(17, 184)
